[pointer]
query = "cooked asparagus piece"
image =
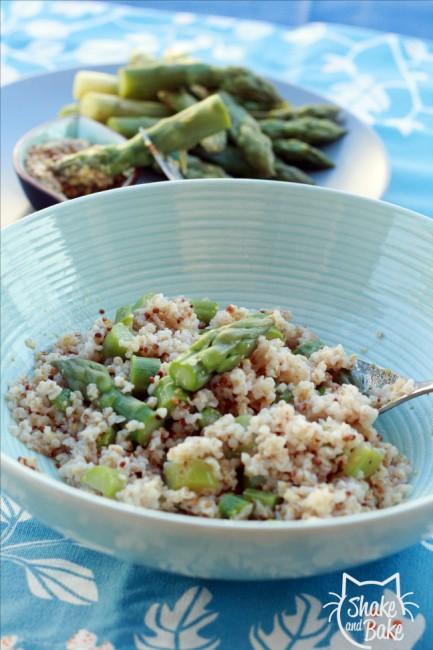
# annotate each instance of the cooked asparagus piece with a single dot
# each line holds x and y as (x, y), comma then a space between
(205, 309)
(231, 160)
(218, 350)
(197, 168)
(267, 499)
(363, 461)
(86, 81)
(195, 474)
(114, 342)
(246, 133)
(106, 480)
(179, 100)
(107, 438)
(302, 154)
(129, 126)
(308, 129)
(307, 348)
(287, 112)
(208, 416)
(62, 400)
(141, 370)
(247, 86)
(231, 506)
(98, 165)
(100, 107)
(79, 373)
(168, 394)
(291, 174)
(125, 315)
(146, 81)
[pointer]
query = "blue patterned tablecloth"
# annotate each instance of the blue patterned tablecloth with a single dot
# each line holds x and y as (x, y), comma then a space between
(58, 594)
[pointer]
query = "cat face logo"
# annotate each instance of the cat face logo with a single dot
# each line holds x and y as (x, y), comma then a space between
(365, 614)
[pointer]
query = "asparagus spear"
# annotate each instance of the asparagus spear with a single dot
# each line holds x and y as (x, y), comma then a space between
(302, 154)
(291, 174)
(129, 126)
(309, 347)
(231, 160)
(141, 370)
(246, 133)
(97, 165)
(88, 81)
(132, 409)
(218, 350)
(196, 168)
(287, 112)
(307, 129)
(79, 373)
(179, 100)
(100, 107)
(145, 82)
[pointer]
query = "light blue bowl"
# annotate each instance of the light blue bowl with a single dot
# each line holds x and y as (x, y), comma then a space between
(348, 267)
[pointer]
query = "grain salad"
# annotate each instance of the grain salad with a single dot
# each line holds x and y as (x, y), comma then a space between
(180, 406)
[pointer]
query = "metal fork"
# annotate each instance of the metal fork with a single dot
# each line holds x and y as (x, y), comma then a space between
(368, 378)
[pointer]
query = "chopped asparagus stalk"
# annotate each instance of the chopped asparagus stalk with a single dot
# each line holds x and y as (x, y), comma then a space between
(96, 166)
(142, 302)
(79, 373)
(125, 316)
(308, 129)
(253, 482)
(233, 507)
(168, 394)
(309, 347)
(196, 475)
(246, 133)
(208, 416)
(103, 479)
(267, 499)
(86, 81)
(217, 351)
(132, 409)
(147, 81)
(101, 107)
(321, 390)
(301, 154)
(141, 370)
(62, 400)
(274, 333)
(243, 420)
(291, 174)
(285, 395)
(129, 126)
(205, 309)
(107, 438)
(363, 461)
(113, 346)
(69, 109)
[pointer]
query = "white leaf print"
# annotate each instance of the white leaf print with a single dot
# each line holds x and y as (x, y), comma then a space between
(11, 510)
(85, 640)
(428, 543)
(302, 630)
(178, 628)
(61, 579)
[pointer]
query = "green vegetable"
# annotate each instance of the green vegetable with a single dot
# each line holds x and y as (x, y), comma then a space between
(129, 126)
(253, 482)
(243, 420)
(142, 302)
(168, 394)
(196, 475)
(132, 409)
(100, 107)
(141, 369)
(79, 373)
(267, 499)
(113, 346)
(62, 400)
(217, 351)
(197, 168)
(69, 109)
(125, 315)
(321, 390)
(274, 333)
(86, 81)
(301, 154)
(208, 416)
(104, 479)
(363, 461)
(309, 347)
(291, 174)
(308, 129)
(286, 395)
(287, 112)
(232, 160)
(178, 132)
(205, 309)
(246, 86)
(106, 438)
(233, 507)
(246, 133)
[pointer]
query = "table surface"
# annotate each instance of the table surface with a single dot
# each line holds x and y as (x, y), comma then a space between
(87, 600)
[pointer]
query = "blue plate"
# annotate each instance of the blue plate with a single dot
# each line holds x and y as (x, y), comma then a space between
(361, 162)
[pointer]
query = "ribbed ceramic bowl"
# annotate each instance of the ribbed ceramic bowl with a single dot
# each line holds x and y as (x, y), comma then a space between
(348, 267)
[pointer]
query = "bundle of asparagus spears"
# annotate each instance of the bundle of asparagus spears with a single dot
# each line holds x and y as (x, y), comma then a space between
(215, 121)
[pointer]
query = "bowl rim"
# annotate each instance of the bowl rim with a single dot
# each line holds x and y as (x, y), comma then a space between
(21, 171)
(42, 481)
